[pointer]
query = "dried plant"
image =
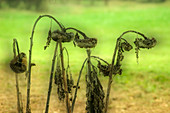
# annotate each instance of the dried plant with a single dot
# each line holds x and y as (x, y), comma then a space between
(63, 77)
(121, 46)
(18, 65)
(85, 43)
(94, 90)
(59, 39)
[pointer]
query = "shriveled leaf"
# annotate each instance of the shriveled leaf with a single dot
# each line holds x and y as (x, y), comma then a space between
(58, 80)
(94, 93)
(105, 69)
(48, 40)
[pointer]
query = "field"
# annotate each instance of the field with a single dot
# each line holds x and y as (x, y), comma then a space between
(142, 88)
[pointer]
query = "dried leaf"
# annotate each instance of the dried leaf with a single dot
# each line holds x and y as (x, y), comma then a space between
(58, 80)
(48, 39)
(105, 69)
(94, 93)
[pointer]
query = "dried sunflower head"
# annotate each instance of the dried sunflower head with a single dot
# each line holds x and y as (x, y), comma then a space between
(126, 46)
(62, 36)
(145, 43)
(19, 63)
(85, 43)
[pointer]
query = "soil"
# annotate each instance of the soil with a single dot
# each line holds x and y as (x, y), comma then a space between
(123, 100)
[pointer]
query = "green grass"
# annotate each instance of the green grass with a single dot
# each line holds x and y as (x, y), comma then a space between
(104, 23)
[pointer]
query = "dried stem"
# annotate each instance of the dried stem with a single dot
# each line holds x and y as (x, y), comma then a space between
(28, 109)
(51, 79)
(133, 32)
(19, 107)
(75, 94)
(110, 77)
(100, 59)
(83, 34)
(68, 61)
(17, 88)
(112, 65)
(89, 78)
(65, 80)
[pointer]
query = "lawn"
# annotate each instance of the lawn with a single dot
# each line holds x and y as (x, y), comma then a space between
(143, 87)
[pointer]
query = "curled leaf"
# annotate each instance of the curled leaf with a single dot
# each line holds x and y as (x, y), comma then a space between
(105, 69)
(117, 70)
(48, 40)
(58, 80)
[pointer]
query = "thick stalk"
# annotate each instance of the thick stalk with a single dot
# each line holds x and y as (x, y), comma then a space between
(65, 80)
(110, 77)
(51, 79)
(20, 110)
(89, 79)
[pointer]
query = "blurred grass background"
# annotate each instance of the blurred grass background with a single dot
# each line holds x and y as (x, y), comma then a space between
(106, 23)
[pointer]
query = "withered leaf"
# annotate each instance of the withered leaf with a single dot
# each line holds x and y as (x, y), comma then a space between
(48, 40)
